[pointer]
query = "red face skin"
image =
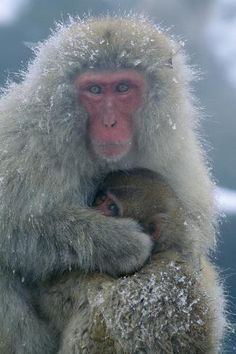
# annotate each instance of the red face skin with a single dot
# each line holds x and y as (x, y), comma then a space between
(111, 100)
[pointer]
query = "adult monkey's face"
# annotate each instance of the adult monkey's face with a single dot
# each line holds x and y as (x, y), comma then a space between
(111, 100)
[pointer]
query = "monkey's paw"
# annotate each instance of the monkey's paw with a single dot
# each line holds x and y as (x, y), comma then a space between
(131, 248)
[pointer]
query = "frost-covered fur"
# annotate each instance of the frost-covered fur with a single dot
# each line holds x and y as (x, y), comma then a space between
(48, 174)
(165, 308)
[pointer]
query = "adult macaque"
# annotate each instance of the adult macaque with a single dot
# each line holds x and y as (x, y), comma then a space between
(55, 146)
(99, 314)
(111, 100)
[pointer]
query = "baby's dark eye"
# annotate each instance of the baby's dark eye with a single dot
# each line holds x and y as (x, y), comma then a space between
(113, 208)
(122, 87)
(95, 89)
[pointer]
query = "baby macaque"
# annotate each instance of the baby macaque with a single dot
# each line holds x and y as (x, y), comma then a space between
(96, 313)
(143, 195)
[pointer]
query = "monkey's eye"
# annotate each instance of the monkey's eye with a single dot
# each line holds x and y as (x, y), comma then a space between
(113, 208)
(122, 87)
(95, 89)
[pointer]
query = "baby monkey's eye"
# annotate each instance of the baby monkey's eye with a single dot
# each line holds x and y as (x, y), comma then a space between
(113, 208)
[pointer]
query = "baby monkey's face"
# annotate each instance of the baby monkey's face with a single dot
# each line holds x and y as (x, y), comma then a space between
(108, 204)
(139, 194)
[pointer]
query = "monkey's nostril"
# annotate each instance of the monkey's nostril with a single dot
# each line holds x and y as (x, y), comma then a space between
(110, 125)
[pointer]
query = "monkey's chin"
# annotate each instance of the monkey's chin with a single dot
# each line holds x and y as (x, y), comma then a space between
(112, 152)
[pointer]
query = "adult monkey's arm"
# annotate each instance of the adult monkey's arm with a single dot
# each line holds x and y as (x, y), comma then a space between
(164, 308)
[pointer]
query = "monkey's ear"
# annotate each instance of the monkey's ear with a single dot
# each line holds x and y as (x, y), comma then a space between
(154, 226)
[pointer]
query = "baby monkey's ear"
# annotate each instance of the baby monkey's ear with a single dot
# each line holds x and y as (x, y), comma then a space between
(154, 226)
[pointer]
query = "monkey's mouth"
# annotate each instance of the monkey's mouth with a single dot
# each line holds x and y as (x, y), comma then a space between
(112, 149)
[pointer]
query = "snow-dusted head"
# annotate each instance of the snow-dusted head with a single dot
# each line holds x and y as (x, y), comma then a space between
(112, 79)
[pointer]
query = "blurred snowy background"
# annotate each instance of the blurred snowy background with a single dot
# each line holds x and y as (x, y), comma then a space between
(209, 29)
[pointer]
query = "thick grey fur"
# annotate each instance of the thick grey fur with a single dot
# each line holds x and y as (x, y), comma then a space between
(49, 174)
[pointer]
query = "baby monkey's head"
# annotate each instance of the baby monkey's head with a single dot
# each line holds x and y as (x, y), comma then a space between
(143, 195)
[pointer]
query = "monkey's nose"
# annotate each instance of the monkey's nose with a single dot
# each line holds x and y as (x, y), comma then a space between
(109, 122)
(113, 124)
